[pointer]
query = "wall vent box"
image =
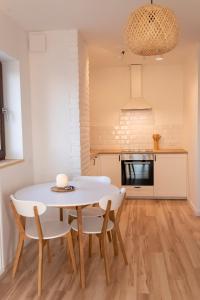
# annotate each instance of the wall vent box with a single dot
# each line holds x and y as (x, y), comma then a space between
(37, 42)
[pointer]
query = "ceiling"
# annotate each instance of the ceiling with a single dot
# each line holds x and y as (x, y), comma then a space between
(101, 22)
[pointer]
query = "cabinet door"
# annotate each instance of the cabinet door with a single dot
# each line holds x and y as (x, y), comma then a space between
(94, 166)
(110, 165)
(170, 175)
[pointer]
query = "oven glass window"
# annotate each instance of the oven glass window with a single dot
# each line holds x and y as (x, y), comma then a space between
(137, 172)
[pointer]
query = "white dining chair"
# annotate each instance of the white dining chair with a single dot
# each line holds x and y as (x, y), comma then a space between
(99, 226)
(27, 216)
(94, 211)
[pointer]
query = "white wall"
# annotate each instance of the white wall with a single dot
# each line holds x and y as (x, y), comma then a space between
(191, 125)
(110, 90)
(13, 42)
(60, 105)
(55, 106)
(84, 107)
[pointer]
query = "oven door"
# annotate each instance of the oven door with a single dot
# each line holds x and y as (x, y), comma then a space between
(137, 172)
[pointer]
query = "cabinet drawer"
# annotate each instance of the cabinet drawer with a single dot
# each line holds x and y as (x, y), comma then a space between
(140, 191)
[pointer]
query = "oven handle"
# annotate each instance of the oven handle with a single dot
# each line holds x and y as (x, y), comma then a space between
(137, 163)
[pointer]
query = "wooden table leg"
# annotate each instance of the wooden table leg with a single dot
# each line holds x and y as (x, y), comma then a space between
(61, 214)
(80, 241)
(114, 234)
(61, 219)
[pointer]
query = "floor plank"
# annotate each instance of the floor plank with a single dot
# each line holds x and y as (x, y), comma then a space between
(162, 240)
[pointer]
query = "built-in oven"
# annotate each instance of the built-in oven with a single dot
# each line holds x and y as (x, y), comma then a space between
(137, 169)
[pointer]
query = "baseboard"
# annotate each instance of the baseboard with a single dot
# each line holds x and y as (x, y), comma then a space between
(195, 211)
(2, 271)
(154, 198)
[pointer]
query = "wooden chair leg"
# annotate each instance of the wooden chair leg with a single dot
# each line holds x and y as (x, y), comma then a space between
(90, 245)
(114, 240)
(81, 252)
(114, 235)
(18, 254)
(74, 237)
(48, 251)
(100, 246)
(121, 243)
(40, 268)
(71, 252)
(105, 256)
(109, 236)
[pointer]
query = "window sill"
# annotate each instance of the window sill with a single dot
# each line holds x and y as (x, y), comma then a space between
(9, 162)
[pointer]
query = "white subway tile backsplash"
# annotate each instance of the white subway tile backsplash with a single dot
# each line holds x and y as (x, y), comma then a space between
(135, 131)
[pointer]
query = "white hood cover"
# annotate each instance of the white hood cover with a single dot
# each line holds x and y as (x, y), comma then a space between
(137, 102)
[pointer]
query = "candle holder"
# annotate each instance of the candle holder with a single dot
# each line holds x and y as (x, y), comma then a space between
(69, 188)
(62, 184)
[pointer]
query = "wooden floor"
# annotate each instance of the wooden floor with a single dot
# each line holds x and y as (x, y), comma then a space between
(162, 239)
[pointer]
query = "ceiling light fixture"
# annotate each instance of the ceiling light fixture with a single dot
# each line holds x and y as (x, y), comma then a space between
(151, 30)
(159, 58)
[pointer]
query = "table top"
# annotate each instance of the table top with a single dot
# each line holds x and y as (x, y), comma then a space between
(86, 193)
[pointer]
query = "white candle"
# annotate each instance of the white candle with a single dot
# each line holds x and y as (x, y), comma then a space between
(61, 180)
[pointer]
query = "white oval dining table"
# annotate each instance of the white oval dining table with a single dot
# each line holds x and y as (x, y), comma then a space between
(85, 193)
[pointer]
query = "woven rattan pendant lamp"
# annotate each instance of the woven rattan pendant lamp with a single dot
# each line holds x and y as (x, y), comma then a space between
(151, 30)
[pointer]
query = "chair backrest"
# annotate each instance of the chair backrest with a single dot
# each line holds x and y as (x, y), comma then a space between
(111, 203)
(26, 208)
(116, 200)
(22, 209)
(103, 179)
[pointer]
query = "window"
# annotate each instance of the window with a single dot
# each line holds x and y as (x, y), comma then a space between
(2, 126)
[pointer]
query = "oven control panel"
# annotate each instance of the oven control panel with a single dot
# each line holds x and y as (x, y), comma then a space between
(137, 156)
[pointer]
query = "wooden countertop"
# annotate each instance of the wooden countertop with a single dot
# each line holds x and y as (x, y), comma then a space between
(124, 151)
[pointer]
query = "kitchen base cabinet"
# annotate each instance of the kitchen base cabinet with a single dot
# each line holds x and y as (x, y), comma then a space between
(170, 176)
(139, 192)
(110, 165)
(94, 166)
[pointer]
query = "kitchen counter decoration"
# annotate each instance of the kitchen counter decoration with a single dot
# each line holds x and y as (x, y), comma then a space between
(156, 140)
(62, 184)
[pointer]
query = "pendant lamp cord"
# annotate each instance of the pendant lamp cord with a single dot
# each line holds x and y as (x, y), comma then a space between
(151, 1)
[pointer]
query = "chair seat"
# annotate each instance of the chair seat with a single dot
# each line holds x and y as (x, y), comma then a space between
(50, 229)
(88, 212)
(92, 225)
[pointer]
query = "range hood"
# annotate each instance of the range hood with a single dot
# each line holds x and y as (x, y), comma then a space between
(136, 102)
